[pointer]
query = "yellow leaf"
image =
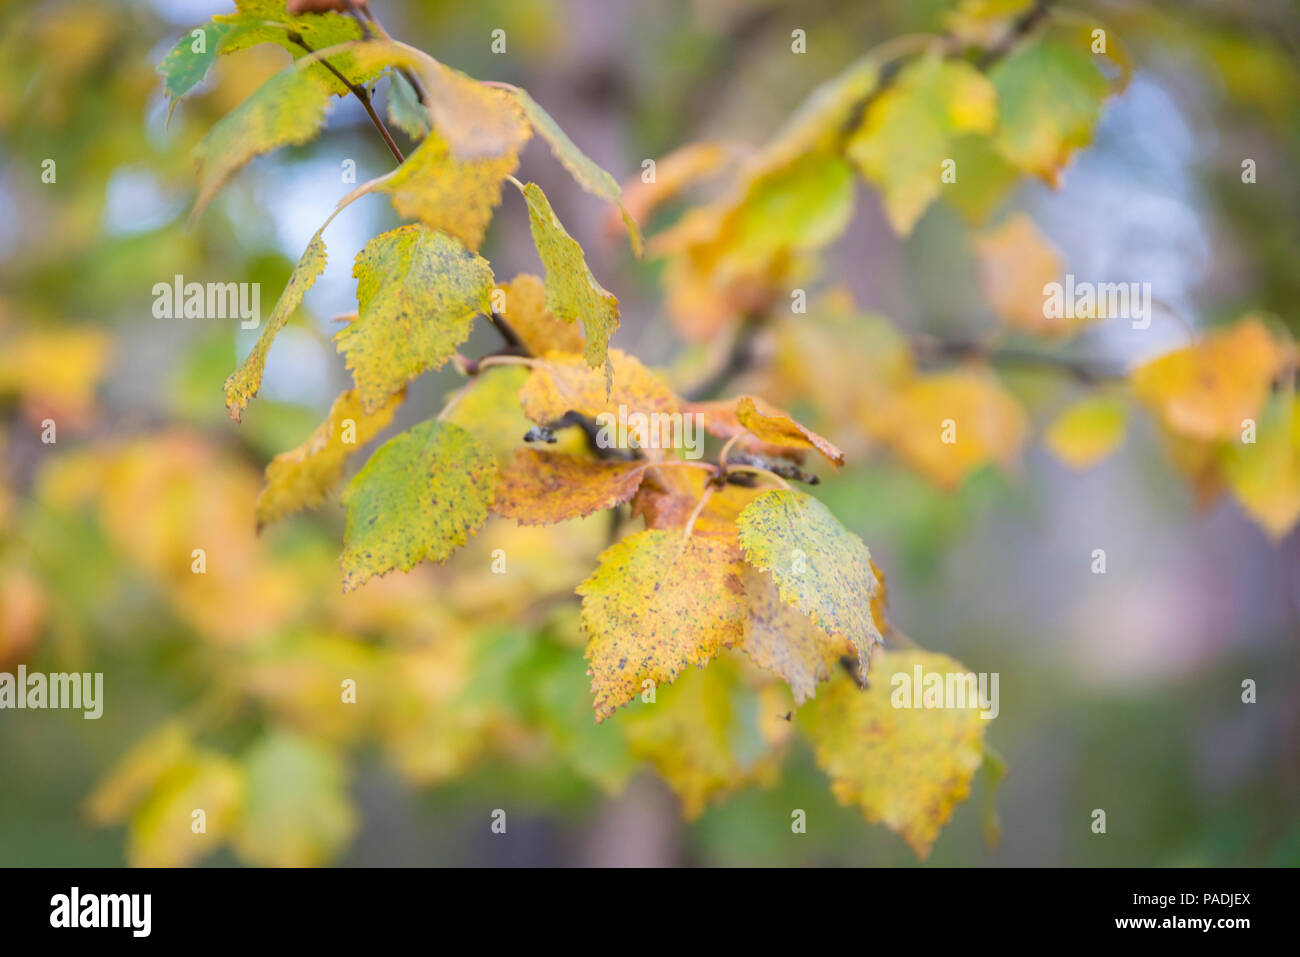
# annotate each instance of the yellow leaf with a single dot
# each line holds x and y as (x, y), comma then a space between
(565, 383)
(417, 293)
(135, 774)
(477, 121)
(584, 171)
(572, 292)
(704, 734)
(949, 424)
(1016, 262)
(654, 606)
(444, 193)
(55, 372)
(490, 410)
(774, 427)
(419, 497)
(528, 315)
(303, 477)
(539, 488)
(1088, 431)
(162, 830)
(1206, 390)
(908, 132)
(243, 383)
(906, 767)
(288, 110)
(819, 566)
(1264, 476)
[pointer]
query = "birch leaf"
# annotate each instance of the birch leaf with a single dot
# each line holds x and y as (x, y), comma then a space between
(572, 292)
(420, 497)
(654, 606)
(417, 294)
(820, 567)
(541, 488)
(905, 767)
(303, 477)
(243, 383)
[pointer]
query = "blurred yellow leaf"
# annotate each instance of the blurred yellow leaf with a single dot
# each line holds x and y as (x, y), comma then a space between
(1088, 431)
(162, 831)
(1264, 475)
(1016, 261)
(1208, 389)
(907, 133)
(905, 767)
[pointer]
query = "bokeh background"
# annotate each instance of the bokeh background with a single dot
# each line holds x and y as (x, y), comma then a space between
(1118, 691)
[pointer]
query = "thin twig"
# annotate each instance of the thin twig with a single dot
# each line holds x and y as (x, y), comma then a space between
(362, 94)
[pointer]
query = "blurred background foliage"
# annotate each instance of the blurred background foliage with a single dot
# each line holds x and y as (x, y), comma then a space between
(1119, 692)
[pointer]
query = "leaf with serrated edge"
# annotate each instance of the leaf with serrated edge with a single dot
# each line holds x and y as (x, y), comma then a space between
(572, 292)
(565, 383)
(303, 477)
(417, 295)
(906, 767)
(454, 196)
(775, 427)
(584, 171)
(654, 606)
(288, 110)
(539, 488)
(820, 567)
(784, 640)
(243, 383)
(420, 497)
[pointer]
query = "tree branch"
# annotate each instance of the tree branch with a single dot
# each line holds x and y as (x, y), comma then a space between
(362, 94)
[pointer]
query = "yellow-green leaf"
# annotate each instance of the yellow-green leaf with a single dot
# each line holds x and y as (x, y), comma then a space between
(820, 567)
(162, 831)
(1264, 475)
(784, 640)
(303, 477)
(421, 496)
(572, 292)
(447, 194)
(289, 109)
(909, 131)
(243, 383)
(1088, 431)
(585, 172)
(654, 606)
(296, 809)
(418, 292)
(906, 767)
(1049, 96)
(706, 734)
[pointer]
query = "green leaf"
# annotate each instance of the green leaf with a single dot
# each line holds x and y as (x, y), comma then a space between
(269, 21)
(421, 496)
(405, 111)
(585, 172)
(820, 567)
(296, 809)
(908, 132)
(244, 382)
(288, 109)
(1049, 98)
(184, 67)
(572, 292)
(418, 292)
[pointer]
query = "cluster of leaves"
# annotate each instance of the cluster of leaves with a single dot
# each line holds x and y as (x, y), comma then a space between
(734, 569)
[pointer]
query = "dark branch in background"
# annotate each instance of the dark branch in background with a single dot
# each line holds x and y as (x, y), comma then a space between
(931, 349)
(362, 94)
(739, 358)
